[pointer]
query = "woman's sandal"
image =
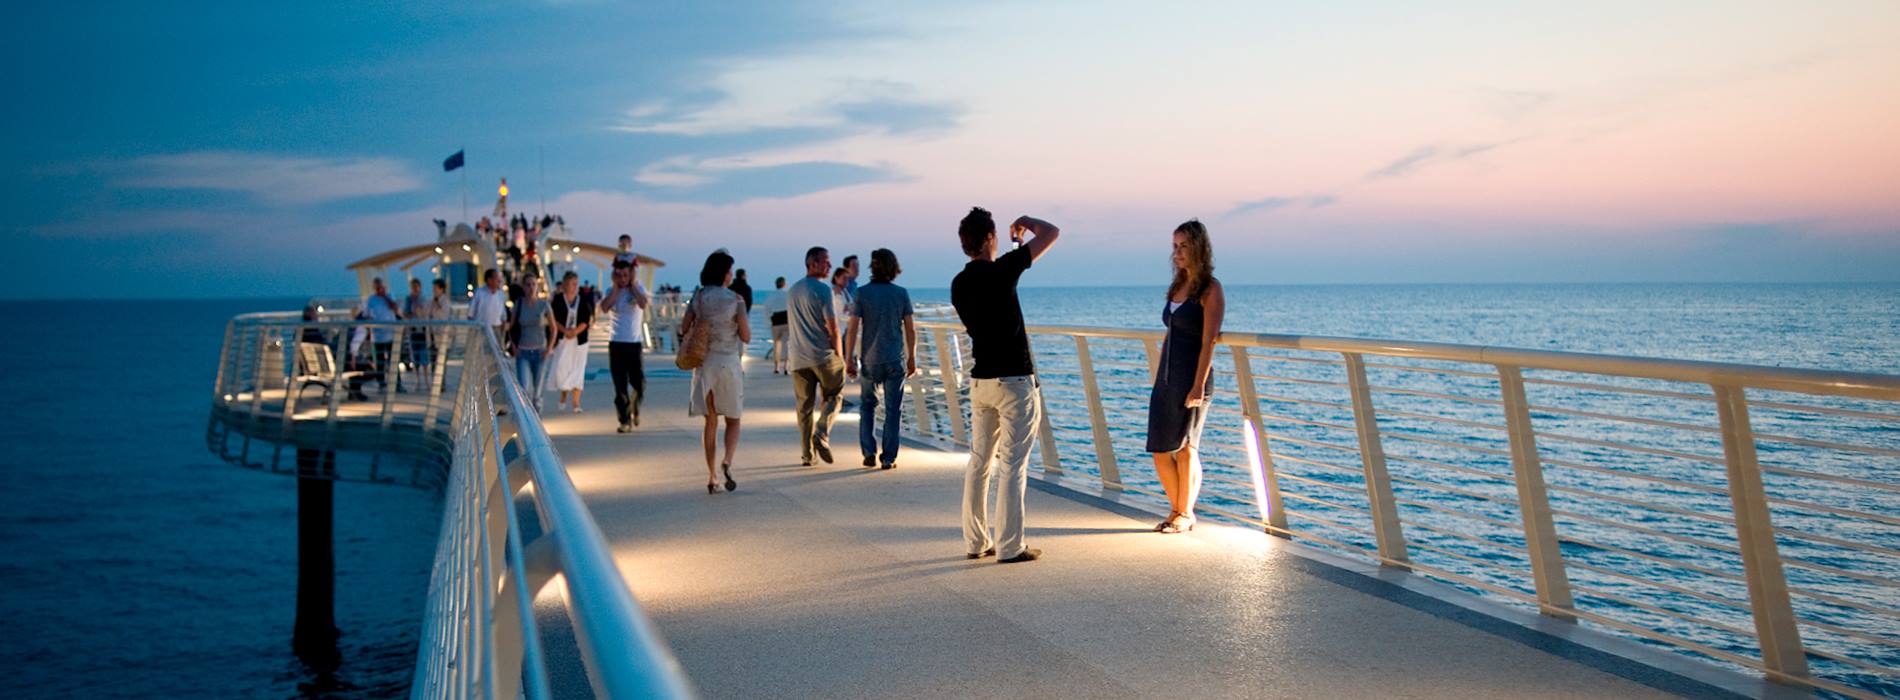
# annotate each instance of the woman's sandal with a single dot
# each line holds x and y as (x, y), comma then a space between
(712, 488)
(1175, 526)
(1163, 525)
(730, 484)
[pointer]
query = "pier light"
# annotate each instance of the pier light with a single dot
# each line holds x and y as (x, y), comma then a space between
(504, 188)
(319, 308)
(466, 249)
(438, 250)
(557, 246)
(1255, 469)
(445, 258)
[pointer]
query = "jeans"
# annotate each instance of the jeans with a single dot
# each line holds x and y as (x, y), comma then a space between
(630, 378)
(530, 366)
(814, 431)
(1003, 415)
(888, 379)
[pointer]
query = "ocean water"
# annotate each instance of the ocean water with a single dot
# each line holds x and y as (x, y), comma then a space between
(137, 564)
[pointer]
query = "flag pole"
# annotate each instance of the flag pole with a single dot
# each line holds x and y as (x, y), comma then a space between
(464, 170)
(544, 179)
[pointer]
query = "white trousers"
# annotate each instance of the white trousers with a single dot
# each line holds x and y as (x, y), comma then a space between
(1003, 415)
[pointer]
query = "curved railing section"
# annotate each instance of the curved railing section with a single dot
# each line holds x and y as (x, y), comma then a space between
(1741, 514)
(479, 635)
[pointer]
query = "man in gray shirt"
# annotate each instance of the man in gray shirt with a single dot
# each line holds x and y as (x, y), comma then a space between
(815, 362)
(883, 328)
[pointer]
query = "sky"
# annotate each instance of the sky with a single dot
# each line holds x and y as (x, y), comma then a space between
(162, 150)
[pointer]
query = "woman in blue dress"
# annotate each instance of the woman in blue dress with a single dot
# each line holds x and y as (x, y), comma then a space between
(1177, 408)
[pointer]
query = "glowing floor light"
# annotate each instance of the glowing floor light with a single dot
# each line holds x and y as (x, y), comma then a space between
(1256, 469)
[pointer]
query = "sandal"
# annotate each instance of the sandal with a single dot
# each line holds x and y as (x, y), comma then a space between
(730, 484)
(712, 488)
(1175, 526)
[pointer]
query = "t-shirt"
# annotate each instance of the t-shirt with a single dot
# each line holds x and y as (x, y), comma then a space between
(629, 318)
(488, 308)
(984, 294)
(720, 308)
(775, 301)
(881, 310)
(380, 308)
(808, 305)
(531, 319)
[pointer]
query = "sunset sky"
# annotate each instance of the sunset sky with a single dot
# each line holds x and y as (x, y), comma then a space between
(249, 149)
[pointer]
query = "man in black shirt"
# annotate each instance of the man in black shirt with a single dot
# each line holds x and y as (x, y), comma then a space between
(1005, 402)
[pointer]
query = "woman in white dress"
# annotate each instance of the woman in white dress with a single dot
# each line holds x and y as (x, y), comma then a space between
(719, 382)
(573, 315)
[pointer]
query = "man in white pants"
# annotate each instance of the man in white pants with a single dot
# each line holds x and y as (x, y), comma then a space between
(1005, 401)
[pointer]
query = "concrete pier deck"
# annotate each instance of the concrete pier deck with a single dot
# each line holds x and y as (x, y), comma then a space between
(838, 581)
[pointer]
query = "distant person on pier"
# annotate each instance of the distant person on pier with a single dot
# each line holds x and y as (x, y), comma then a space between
(489, 305)
(718, 388)
(439, 308)
(840, 294)
(882, 316)
(775, 307)
(1177, 407)
(567, 365)
(382, 307)
(532, 335)
(851, 272)
(415, 307)
(627, 301)
(742, 288)
(817, 368)
(1005, 401)
(626, 256)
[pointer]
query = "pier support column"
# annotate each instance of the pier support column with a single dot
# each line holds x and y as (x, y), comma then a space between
(315, 635)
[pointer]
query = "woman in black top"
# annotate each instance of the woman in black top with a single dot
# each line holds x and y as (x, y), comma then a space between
(1177, 408)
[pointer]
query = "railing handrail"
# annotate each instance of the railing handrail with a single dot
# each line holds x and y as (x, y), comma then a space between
(1815, 381)
(606, 617)
(623, 652)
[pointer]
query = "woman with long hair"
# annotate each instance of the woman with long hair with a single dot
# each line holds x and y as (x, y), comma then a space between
(719, 382)
(1177, 408)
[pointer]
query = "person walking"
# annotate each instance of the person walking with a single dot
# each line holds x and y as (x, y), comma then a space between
(742, 288)
(1005, 402)
(382, 308)
(533, 334)
(1177, 407)
(817, 369)
(567, 365)
(422, 339)
(489, 305)
(775, 307)
(627, 301)
(883, 317)
(719, 381)
(851, 271)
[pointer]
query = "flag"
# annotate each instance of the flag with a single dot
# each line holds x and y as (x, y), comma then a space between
(452, 162)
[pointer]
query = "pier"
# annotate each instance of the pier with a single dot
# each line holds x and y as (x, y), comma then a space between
(840, 581)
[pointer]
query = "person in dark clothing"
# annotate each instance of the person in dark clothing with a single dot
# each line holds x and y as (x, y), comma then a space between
(1005, 401)
(1177, 407)
(742, 288)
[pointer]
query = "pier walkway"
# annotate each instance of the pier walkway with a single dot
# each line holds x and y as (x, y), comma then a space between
(837, 581)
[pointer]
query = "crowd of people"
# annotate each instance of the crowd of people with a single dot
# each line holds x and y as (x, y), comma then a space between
(825, 329)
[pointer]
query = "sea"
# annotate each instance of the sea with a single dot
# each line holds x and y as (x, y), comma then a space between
(137, 564)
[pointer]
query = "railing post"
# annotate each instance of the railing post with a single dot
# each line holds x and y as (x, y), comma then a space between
(1046, 434)
(1775, 624)
(1154, 357)
(1533, 500)
(919, 401)
(947, 374)
(1098, 421)
(1265, 475)
(1385, 511)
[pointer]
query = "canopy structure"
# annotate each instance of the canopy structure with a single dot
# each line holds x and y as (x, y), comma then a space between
(462, 246)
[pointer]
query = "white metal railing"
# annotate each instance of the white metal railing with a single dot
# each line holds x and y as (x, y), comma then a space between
(479, 636)
(1749, 515)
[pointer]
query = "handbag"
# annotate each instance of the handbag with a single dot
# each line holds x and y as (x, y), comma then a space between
(696, 342)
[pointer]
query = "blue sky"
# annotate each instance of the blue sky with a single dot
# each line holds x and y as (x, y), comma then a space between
(237, 149)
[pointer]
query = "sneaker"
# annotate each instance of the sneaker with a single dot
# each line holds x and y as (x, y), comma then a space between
(824, 453)
(624, 428)
(870, 461)
(1028, 554)
(889, 465)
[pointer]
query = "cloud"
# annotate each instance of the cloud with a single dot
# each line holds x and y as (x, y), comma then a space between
(735, 180)
(270, 178)
(1434, 154)
(882, 110)
(1276, 203)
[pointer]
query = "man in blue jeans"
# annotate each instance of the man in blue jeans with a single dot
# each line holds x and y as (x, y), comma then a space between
(1005, 399)
(883, 317)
